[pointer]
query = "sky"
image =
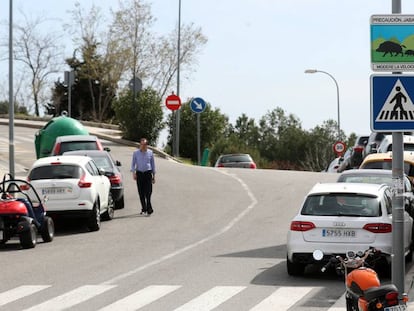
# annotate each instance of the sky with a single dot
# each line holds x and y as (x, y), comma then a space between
(258, 50)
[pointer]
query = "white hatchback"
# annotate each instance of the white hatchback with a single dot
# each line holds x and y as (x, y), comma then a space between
(74, 186)
(339, 217)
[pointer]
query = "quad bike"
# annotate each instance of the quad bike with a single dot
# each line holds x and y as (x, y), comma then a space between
(22, 213)
(363, 290)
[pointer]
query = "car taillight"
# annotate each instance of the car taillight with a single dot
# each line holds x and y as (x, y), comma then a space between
(115, 179)
(378, 228)
(252, 165)
(301, 225)
(220, 165)
(358, 149)
(57, 149)
(82, 183)
(391, 298)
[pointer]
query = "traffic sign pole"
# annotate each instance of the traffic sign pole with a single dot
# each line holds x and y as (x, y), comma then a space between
(398, 262)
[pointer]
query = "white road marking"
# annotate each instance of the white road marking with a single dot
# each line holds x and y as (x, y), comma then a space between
(283, 298)
(211, 299)
(20, 292)
(141, 298)
(71, 298)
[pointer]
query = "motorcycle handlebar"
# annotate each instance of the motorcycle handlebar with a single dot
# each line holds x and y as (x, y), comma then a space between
(332, 260)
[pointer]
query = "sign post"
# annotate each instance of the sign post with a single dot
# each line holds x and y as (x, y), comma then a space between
(392, 50)
(198, 105)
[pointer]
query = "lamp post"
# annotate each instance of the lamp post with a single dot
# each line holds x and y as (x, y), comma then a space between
(337, 94)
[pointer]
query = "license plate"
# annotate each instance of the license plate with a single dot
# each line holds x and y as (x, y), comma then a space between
(338, 233)
(396, 308)
(52, 191)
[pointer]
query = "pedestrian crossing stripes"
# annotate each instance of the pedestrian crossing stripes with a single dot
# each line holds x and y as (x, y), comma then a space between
(281, 299)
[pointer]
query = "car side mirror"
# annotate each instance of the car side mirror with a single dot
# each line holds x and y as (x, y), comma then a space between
(117, 163)
(107, 149)
(101, 171)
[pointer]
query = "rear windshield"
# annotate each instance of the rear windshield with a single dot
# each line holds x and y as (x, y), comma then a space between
(77, 145)
(386, 165)
(103, 162)
(367, 179)
(56, 172)
(342, 205)
(236, 158)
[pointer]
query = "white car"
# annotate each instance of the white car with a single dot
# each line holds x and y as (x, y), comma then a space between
(340, 217)
(73, 186)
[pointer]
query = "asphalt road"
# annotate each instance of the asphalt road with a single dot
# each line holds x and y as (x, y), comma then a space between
(217, 240)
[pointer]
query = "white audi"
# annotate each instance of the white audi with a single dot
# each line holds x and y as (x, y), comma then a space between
(74, 187)
(340, 217)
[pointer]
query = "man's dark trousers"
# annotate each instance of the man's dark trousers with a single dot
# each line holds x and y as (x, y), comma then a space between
(144, 184)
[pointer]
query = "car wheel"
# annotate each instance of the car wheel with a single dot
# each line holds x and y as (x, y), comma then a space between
(94, 221)
(120, 204)
(109, 214)
(294, 268)
(47, 230)
(28, 238)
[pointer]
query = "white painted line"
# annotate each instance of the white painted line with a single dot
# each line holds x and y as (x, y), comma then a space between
(198, 243)
(20, 292)
(141, 298)
(283, 298)
(211, 299)
(71, 298)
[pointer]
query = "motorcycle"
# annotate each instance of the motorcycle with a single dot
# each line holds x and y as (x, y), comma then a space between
(364, 291)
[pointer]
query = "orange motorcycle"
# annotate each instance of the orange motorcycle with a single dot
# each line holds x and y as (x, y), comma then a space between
(364, 291)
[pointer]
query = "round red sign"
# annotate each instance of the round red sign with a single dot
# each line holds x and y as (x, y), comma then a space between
(339, 147)
(173, 102)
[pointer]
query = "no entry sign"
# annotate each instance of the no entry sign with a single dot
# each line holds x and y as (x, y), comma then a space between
(173, 102)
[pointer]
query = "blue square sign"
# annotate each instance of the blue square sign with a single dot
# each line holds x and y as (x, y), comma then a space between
(392, 107)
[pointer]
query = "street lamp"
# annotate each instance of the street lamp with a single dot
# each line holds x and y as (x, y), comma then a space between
(337, 94)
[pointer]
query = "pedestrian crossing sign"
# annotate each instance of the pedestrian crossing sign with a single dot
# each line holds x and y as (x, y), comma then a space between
(392, 107)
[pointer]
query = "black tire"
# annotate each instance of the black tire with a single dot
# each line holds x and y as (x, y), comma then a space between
(94, 221)
(109, 213)
(47, 230)
(294, 268)
(120, 204)
(28, 238)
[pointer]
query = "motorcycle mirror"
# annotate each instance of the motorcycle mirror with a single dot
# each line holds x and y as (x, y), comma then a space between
(350, 254)
(317, 255)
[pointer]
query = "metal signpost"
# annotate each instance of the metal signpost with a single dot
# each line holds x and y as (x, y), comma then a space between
(390, 102)
(198, 105)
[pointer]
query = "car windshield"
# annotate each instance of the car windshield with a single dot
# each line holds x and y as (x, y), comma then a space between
(368, 179)
(341, 204)
(235, 158)
(77, 145)
(102, 162)
(55, 172)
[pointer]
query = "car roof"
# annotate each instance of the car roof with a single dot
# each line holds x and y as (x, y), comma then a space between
(76, 138)
(360, 188)
(369, 171)
(87, 152)
(67, 159)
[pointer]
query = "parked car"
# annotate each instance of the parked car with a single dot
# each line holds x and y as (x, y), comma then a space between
(111, 167)
(384, 161)
(334, 165)
(375, 176)
(337, 217)
(242, 160)
(386, 144)
(374, 140)
(76, 142)
(74, 187)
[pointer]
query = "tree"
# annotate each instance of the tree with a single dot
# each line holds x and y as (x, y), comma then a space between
(318, 148)
(140, 118)
(40, 52)
(212, 127)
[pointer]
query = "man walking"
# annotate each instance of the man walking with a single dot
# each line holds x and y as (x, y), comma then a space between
(143, 172)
